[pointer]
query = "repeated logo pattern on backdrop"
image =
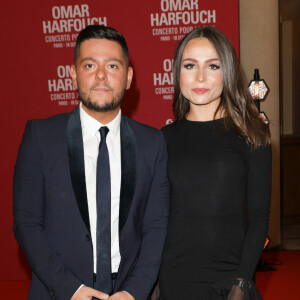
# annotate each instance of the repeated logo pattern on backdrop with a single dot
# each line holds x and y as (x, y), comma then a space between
(152, 29)
(172, 21)
(39, 39)
(61, 31)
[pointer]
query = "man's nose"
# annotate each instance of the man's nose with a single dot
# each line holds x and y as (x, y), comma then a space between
(101, 73)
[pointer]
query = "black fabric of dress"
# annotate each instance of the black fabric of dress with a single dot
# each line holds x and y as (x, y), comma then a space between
(220, 197)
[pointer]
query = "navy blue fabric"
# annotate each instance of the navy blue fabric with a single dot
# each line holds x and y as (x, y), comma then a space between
(76, 164)
(51, 220)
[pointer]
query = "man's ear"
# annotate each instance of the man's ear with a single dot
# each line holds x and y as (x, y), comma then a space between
(129, 77)
(74, 76)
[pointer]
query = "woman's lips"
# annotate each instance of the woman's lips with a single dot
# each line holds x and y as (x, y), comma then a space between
(200, 90)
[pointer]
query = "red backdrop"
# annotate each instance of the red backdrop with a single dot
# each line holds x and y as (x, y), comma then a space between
(37, 50)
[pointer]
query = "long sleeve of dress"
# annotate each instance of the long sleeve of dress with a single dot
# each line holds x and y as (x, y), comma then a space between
(258, 205)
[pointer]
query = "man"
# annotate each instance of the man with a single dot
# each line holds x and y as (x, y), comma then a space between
(61, 185)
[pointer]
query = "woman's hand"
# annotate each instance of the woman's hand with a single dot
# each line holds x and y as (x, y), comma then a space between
(235, 293)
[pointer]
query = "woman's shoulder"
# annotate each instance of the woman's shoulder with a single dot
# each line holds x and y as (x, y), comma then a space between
(172, 128)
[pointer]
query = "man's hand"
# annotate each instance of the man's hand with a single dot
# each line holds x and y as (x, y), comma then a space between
(86, 293)
(121, 296)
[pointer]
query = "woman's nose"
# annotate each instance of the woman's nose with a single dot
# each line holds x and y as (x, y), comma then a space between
(201, 76)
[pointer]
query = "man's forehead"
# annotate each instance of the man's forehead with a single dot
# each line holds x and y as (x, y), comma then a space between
(100, 48)
(100, 44)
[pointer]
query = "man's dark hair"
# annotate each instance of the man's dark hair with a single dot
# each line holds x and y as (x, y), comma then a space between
(101, 32)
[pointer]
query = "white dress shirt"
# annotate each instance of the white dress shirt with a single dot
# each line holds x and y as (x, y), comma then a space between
(91, 139)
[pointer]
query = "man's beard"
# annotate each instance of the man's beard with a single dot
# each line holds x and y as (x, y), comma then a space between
(112, 105)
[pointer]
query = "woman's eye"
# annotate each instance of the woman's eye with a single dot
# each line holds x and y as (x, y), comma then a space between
(214, 67)
(189, 66)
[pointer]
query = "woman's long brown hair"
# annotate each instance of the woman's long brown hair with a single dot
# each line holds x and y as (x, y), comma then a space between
(237, 105)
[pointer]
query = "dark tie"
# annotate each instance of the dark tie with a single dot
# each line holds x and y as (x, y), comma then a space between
(103, 277)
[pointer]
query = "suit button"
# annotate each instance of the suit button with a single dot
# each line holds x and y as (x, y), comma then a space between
(52, 295)
(88, 237)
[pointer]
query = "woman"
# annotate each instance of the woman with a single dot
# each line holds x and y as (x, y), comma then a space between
(220, 175)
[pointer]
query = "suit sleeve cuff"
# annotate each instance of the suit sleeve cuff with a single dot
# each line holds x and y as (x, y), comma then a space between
(128, 294)
(78, 289)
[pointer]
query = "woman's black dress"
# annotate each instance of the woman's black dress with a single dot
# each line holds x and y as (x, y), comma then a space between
(220, 197)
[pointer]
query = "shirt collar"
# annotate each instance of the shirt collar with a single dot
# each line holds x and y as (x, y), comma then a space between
(92, 126)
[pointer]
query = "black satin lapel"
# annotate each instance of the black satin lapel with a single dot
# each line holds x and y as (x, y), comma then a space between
(128, 167)
(76, 162)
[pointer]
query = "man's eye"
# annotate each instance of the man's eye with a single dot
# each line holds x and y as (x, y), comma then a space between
(189, 66)
(113, 66)
(214, 67)
(88, 66)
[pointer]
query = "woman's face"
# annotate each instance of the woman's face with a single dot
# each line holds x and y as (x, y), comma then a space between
(201, 79)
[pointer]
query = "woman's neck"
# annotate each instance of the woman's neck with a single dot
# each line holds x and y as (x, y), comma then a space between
(202, 115)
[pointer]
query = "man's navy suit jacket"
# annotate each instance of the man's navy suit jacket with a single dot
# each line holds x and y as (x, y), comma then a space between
(51, 221)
